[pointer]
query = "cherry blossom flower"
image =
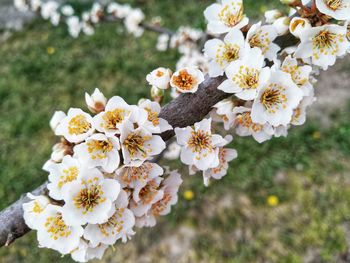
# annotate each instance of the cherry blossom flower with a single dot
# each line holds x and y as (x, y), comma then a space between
(222, 52)
(338, 9)
(199, 145)
(225, 16)
(62, 174)
(154, 124)
(225, 156)
(172, 152)
(187, 80)
(263, 37)
(276, 100)
(223, 112)
(246, 76)
(99, 151)
(74, 26)
(96, 102)
(34, 209)
(21, 5)
(139, 145)
(55, 233)
(299, 114)
(246, 127)
(89, 199)
(118, 10)
(49, 10)
(272, 15)
(118, 226)
(323, 44)
(76, 127)
(116, 112)
(67, 10)
(159, 78)
(85, 251)
(170, 187)
(144, 198)
(282, 25)
(132, 22)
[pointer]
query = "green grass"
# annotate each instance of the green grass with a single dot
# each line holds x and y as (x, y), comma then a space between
(307, 172)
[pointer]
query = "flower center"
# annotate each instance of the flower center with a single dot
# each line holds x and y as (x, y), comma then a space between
(69, 175)
(245, 120)
(90, 197)
(184, 80)
(37, 208)
(78, 125)
(56, 227)
(148, 192)
(131, 174)
(273, 97)
(161, 205)
(114, 117)
(334, 4)
(113, 223)
(295, 73)
(134, 143)
(199, 141)
(324, 40)
(152, 116)
(159, 73)
(247, 78)
(99, 149)
(231, 19)
(231, 53)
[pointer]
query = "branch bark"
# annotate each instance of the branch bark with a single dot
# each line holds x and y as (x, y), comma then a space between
(181, 112)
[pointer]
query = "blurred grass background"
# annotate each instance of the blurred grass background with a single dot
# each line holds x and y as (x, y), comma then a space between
(286, 200)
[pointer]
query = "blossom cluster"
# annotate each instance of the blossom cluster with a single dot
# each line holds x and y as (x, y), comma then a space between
(88, 20)
(102, 182)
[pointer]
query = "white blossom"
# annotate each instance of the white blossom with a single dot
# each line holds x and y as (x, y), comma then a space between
(223, 112)
(276, 100)
(222, 52)
(298, 25)
(55, 233)
(199, 145)
(272, 15)
(67, 10)
(172, 152)
(246, 76)
(159, 78)
(89, 199)
(162, 42)
(99, 151)
(224, 16)
(56, 118)
(132, 22)
(96, 102)
(76, 126)
(338, 9)
(299, 114)
(33, 209)
(118, 10)
(85, 252)
(187, 80)
(263, 37)
(74, 26)
(282, 25)
(323, 44)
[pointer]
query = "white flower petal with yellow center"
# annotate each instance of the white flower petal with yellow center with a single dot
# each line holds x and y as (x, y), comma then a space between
(116, 112)
(323, 44)
(90, 198)
(246, 76)
(144, 198)
(76, 126)
(136, 177)
(118, 226)
(170, 187)
(153, 123)
(225, 16)
(55, 233)
(199, 145)
(299, 114)
(225, 156)
(139, 145)
(33, 209)
(298, 25)
(85, 251)
(62, 174)
(160, 78)
(276, 100)
(246, 127)
(187, 80)
(99, 150)
(262, 37)
(338, 9)
(300, 74)
(222, 52)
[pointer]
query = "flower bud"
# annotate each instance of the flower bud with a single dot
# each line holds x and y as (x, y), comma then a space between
(272, 15)
(298, 25)
(96, 102)
(282, 25)
(57, 117)
(157, 94)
